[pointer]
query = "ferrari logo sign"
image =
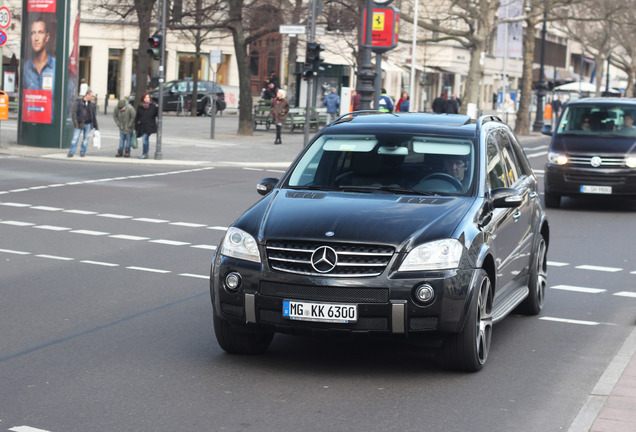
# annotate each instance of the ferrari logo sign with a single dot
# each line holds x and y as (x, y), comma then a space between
(384, 29)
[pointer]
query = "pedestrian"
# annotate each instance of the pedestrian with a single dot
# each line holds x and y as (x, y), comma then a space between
(405, 105)
(84, 119)
(385, 104)
(273, 79)
(332, 103)
(439, 104)
(124, 117)
(356, 101)
(280, 108)
(270, 92)
(403, 96)
(146, 122)
(452, 106)
(556, 108)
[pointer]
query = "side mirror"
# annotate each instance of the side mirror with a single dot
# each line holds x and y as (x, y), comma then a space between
(505, 198)
(266, 185)
(546, 130)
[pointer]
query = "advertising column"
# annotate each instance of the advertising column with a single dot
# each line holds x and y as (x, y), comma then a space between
(45, 59)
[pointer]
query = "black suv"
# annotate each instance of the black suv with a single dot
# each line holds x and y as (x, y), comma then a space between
(177, 96)
(593, 150)
(422, 227)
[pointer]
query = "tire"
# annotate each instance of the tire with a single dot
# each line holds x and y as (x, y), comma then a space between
(235, 342)
(552, 201)
(467, 351)
(207, 108)
(533, 304)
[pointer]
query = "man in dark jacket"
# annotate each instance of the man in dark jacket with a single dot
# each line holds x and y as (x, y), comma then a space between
(439, 104)
(452, 106)
(84, 119)
(124, 117)
(146, 122)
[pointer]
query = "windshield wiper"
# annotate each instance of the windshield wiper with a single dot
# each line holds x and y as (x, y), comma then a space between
(312, 187)
(392, 189)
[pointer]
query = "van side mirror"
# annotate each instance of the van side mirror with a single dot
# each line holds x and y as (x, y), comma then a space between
(546, 130)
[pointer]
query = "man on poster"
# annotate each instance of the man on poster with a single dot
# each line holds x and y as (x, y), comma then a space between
(39, 75)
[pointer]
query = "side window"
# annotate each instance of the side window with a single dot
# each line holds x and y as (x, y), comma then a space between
(182, 86)
(513, 170)
(495, 168)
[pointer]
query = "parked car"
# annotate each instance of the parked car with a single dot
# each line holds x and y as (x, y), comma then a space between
(177, 96)
(420, 227)
(593, 150)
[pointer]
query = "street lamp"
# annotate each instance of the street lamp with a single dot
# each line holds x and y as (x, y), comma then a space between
(541, 85)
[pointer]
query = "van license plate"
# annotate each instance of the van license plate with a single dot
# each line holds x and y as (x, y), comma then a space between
(607, 190)
(320, 312)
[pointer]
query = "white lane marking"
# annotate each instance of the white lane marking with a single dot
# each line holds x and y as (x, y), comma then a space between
(38, 187)
(557, 264)
(146, 269)
(188, 224)
(170, 242)
(634, 272)
(55, 257)
(253, 169)
(52, 228)
(208, 247)
(114, 216)
(626, 294)
(57, 185)
(15, 252)
(19, 190)
(570, 321)
(14, 204)
(195, 276)
(150, 220)
(578, 289)
(17, 223)
(46, 208)
(90, 232)
(599, 268)
(100, 263)
(80, 212)
(129, 237)
(218, 228)
(26, 429)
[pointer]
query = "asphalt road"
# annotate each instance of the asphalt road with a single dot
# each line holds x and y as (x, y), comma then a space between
(105, 318)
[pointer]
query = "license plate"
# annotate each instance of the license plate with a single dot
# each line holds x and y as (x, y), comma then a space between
(320, 312)
(607, 190)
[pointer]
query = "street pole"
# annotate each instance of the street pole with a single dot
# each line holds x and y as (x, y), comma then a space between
(311, 78)
(366, 75)
(162, 62)
(541, 85)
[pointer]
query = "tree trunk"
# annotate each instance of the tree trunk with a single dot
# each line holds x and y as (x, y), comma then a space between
(475, 72)
(245, 126)
(522, 123)
(144, 15)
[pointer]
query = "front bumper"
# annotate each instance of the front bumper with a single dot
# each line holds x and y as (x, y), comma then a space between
(386, 305)
(566, 180)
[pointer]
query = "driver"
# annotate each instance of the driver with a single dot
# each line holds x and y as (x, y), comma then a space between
(456, 166)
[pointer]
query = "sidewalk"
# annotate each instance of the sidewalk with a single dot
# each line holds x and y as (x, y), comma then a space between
(611, 407)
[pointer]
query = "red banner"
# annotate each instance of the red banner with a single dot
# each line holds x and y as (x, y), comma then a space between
(37, 106)
(41, 6)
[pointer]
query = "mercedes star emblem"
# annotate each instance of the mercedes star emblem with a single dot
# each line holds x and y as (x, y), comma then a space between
(324, 259)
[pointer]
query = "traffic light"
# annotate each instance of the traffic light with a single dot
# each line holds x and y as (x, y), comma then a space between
(154, 43)
(313, 60)
(308, 73)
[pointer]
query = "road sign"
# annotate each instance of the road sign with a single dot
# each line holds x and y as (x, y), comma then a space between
(292, 29)
(3, 38)
(5, 17)
(216, 56)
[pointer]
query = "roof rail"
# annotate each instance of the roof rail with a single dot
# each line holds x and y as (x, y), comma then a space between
(357, 113)
(487, 118)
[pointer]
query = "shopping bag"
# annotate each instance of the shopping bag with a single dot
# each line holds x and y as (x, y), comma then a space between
(133, 140)
(97, 139)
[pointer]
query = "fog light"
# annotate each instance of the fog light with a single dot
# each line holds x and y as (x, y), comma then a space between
(424, 293)
(233, 281)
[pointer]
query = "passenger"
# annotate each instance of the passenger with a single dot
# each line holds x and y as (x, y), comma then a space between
(586, 124)
(628, 124)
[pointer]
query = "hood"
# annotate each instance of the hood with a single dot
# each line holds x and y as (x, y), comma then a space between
(596, 145)
(368, 218)
(122, 103)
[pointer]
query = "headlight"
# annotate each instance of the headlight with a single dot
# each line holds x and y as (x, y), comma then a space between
(630, 161)
(437, 255)
(557, 158)
(241, 245)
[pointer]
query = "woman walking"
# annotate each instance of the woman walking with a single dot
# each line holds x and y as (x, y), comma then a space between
(280, 108)
(146, 122)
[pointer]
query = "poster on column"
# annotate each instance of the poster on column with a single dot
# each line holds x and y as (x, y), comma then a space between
(38, 74)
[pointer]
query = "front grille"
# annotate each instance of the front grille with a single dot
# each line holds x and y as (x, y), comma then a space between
(606, 162)
(596, 179)
(353, 260)
(322, 293)
(423, 323)
(363, 323)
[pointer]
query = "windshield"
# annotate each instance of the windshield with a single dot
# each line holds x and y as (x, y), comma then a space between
(598, 120)
(398, 163)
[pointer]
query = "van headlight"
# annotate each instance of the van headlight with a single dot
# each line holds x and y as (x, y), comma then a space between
(557, 158)
(630, 161)
(436, 255)
(239, 244)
